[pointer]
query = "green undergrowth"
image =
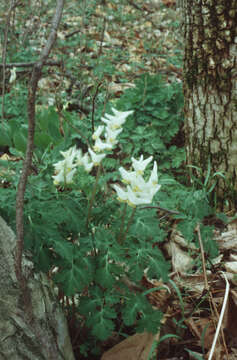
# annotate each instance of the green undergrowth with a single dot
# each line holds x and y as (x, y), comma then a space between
(90, 262)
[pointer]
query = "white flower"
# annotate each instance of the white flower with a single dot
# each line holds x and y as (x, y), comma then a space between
(101, 146)
(51, 101)
(140, 165)
(122, 195)
(64, 176)
(64, 164)
(122, 114)
(79, 157)
(111, 135)
(98, 132)
(84, 160)
(153, 180)
(134, 199)
(88, 165)
(153, 190)
(138, 184)
(115, 121)
(70, 153)
(13, 75)
(96, 158)
(64, 171)
(127, 175)
(138, 191)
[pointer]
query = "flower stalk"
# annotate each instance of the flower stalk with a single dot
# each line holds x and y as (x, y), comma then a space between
(128, 225)
(120, 236)
(93, 195)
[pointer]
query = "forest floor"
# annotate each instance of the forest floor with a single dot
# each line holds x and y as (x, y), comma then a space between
(119, 42)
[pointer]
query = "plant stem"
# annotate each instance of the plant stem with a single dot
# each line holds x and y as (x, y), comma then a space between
(93, 195)
(128, 225)
(120, 236)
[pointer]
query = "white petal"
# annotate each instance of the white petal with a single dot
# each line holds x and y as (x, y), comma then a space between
(101, 146)
(88, 165)
(70, 153)
(98, 132)
(122, 114)
(135, 200)
(140, 165)
(153, 180)
(13, 75)
(122, 195)
(111, 135)
(79, 157)
(96, 158)
(127, 175)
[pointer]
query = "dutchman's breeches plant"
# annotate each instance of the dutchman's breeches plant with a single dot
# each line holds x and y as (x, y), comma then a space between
(118, 239)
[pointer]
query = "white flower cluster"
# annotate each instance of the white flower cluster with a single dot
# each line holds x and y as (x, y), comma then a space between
(138, 191)
(65, 169)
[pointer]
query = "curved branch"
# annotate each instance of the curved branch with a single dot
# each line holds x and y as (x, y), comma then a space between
(36, 73)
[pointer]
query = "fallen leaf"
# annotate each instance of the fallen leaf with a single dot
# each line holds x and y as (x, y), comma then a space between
(136, 347)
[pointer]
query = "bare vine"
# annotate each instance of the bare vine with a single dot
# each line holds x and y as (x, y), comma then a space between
(35, 77)
(8, 17)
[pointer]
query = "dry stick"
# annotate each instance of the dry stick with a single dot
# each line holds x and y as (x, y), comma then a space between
(203, 258)
(160, 208)
(36, 73)
(13, 4)
(212, 302)
(31, 64)
(72, 33)
(102, 38)
(93, 107)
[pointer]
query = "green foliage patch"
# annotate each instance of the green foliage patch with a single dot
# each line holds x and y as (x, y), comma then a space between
(91, 256)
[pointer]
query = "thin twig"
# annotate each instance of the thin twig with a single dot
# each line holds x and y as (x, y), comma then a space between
(31, 64)
(93, 107)
(160, 208)
(36, 73)
(4, 51)
(72, 33)
(102, 38)
(203, 258)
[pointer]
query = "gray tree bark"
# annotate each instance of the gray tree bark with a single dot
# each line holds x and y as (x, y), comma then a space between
(210, 89)
(38, 331)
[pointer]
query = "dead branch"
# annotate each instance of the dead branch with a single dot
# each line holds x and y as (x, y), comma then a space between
(31, 64)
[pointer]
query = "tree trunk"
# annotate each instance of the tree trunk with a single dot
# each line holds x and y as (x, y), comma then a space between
(210, 89)
(37, 331)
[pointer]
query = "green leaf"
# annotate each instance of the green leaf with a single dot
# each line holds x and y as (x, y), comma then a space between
(146, 225)
(187, 227)
(20, 140)
(103, 324)
(42, 140)
(65, 249)
(5, 139)
(132, 307)
(195, 355)
(150, 321)
(76, 277)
